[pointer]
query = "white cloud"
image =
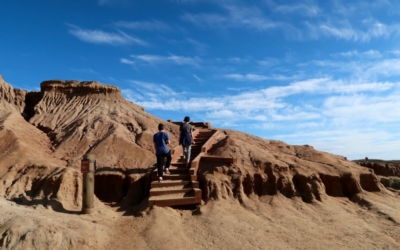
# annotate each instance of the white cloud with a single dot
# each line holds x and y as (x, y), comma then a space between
(389, 67)
(354, 143)
(363, 107)
(200, 47)
(144, 25)
(247, 77)
(197, 78)
(345, 30)
(102, 37)
(126, 61)
(268, 62)
(174, 59)
(354, 53)
(145, 91)
(361, 69)
(250, 17)
(395, 52)
(114, 2)
(86, 71)
(301, 8)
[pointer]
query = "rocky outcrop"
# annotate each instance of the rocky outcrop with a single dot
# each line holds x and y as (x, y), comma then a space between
(76, 88)
(390, 182)
(46, 133)
(273, 167)
(384, 169)
(11, 99)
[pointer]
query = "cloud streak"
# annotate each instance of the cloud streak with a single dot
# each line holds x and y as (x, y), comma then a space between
(171, 59)
(144, 25)
(102, 37)
(247, 17)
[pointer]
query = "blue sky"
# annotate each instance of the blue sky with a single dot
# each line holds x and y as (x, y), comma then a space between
(323, 73)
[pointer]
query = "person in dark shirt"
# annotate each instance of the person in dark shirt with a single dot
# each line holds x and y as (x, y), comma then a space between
(161, 139)
(186, 139)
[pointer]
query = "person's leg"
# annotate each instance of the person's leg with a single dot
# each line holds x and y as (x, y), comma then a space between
(188, 149)
(160, 163)
(185, 154)
(168, 163)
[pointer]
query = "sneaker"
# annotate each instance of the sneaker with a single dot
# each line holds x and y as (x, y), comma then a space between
(160, 179)
(167, 171)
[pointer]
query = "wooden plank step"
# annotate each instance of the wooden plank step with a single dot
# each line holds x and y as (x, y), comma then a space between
(171, 183)
(170, 190)
(178, 171)
(175, 170)
(193, 197)
(176, 177)
(178, 164)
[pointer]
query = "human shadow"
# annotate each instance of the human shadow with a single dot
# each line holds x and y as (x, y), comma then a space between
(54, 204)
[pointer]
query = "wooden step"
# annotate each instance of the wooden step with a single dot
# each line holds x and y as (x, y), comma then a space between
(170, 190)
(178, 164)
(192, 197)
(172, 183)
(203, 138)
(181, 170)
(176, 177)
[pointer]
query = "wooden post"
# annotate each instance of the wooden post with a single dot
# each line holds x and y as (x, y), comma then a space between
(88, 168)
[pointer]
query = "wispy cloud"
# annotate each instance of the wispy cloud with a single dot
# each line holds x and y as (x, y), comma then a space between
(361, 69)
(271, 98)
(114, 2)
(300, 8)
(103, 2)
(145, 91)
(197, 78)
(144, 25)
(247, 77)
(268, 62)
(200, 47)
(102, 37)
(127, 61)
(86, 71)
(346, 31)
(174, 59)
(235, 16)
(354, 53)
(258, 77)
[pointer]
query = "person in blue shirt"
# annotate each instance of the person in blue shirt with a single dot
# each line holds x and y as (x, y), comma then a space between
(161, 140)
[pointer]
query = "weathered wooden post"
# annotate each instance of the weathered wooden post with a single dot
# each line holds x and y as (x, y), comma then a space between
(88, 168)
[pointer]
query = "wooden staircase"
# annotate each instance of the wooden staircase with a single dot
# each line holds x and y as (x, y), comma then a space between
(181, 187)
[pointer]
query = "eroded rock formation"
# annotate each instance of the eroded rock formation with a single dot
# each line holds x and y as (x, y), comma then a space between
(46, 133)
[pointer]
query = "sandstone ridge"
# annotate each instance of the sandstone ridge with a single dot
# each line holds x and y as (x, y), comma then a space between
(78, 88)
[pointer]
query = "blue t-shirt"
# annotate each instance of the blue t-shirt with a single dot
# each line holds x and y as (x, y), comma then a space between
(160, 139)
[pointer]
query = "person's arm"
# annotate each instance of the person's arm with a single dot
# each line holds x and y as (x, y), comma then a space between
(155, 144)
(167, 141)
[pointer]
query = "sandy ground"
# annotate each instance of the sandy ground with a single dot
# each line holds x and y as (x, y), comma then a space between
(272, 222)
